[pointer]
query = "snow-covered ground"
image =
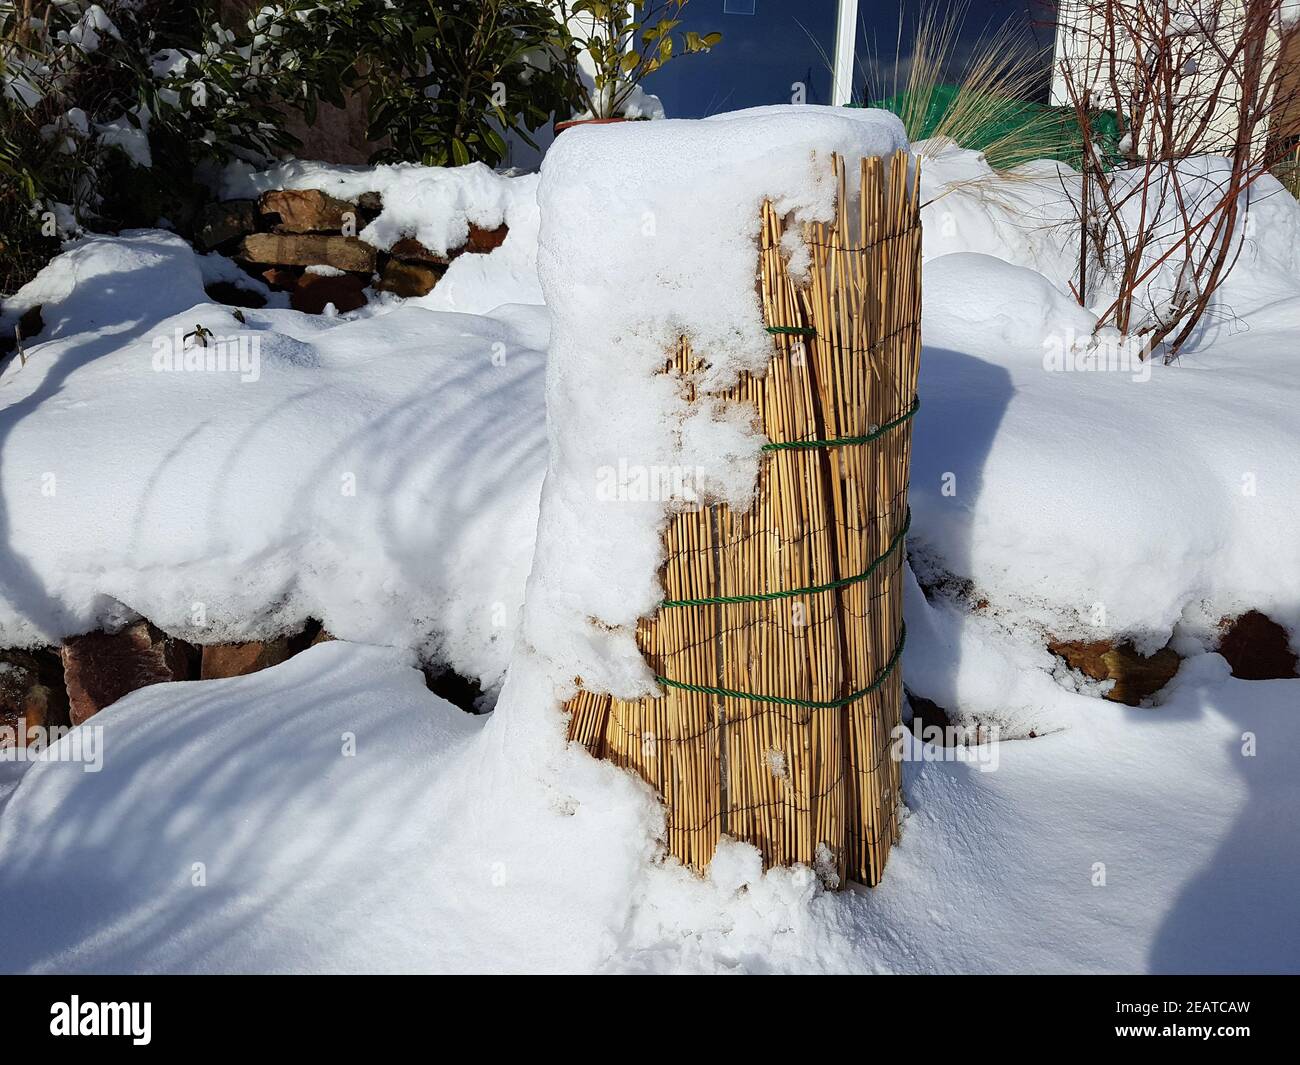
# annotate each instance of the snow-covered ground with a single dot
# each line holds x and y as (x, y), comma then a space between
(230, 829)
(382, 473)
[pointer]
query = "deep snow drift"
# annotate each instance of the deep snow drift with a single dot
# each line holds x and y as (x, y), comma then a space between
(1163, 496)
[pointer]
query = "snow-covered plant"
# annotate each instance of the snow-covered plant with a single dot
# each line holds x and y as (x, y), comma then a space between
(611, 47)
(1206, 99)
(445, 80)
(110, 106)
(13, 165)
(23, 246)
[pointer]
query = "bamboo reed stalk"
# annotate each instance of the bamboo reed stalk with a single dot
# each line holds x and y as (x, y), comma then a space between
(803, 784)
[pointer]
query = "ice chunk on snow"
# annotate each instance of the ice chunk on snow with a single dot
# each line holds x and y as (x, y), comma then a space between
(735, 866)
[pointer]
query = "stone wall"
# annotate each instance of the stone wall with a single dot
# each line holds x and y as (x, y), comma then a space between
(303, 241)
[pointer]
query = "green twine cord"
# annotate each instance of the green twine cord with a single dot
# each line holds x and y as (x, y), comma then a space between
(848, 441)
(830, 704)
(762, 597)
(759, 597)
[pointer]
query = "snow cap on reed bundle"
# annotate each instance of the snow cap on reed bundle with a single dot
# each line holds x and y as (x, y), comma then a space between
(649, 233)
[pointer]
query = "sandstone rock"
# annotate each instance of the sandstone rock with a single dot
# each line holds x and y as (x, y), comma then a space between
(413, 251)
(99, 667)
(408, 279)
(307, 211)
(1136, 676)
(223, 223)
(1257, 647)
(1087, 656)
(479, 242)
(31, 693)
(238, 659)
(281, 277)
(484, 240)
(309, 249)
(314, 291)
(370, 203)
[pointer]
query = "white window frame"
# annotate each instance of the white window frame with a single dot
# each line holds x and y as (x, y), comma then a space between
(846, 32)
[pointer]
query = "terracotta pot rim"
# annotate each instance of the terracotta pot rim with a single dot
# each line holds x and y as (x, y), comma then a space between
(560, 127)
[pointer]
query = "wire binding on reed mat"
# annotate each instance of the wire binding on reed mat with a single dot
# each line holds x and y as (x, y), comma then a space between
(813, 589)
(829, 704)
(848, 441)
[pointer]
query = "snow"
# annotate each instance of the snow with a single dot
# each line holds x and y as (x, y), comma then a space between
(1028, 306)
(1042, 486)
(997, 433)
(119, 535)
(1066, 499)
(481, 869)
(169, 62)
(1001, 866)
(86, 33)
(306, 837)
(1029, 219)
(131, 138)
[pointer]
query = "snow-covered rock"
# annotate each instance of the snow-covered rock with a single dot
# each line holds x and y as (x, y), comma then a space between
(319, 476)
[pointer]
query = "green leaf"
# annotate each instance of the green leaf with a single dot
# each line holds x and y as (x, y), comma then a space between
(495, 143)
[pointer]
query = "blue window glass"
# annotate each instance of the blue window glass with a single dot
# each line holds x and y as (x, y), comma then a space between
(768, 46)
